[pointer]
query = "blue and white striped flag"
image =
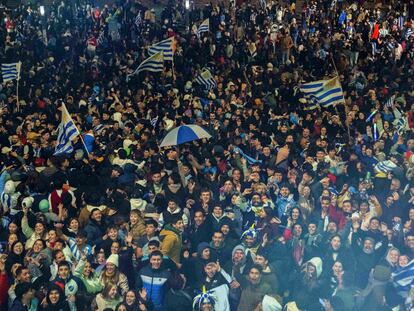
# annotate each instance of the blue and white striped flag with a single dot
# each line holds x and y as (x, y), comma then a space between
(138, 20)
(10, 71)
(390, 101)
(101, 38)
(154, 121)
(67, 132)
(154, 63)
(324, 93)
(408, 33)
(204, 27)
(403, 279)
(206, 79)
(167, 46)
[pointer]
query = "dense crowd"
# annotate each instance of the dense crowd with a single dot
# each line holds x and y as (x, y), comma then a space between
(285, 207)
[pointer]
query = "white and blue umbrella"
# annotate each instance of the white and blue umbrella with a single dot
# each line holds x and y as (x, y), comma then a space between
(183, 134)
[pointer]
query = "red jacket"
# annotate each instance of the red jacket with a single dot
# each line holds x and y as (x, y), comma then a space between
(337, 216)
(4, 287)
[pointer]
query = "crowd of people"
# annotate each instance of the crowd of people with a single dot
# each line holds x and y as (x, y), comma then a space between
(285, 207)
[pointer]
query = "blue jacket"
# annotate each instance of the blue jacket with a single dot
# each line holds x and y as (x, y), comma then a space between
(154, 282)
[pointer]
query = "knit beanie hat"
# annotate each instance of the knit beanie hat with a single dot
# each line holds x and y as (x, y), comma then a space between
(113, 259)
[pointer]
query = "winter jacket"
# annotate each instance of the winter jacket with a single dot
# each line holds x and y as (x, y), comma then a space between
(92, 284)
(171, 243)
(154, 282)
(94, 232)
(252, 295)
(4, 286)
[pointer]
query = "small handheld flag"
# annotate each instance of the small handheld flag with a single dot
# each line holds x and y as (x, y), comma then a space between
(67, 132)
(206, 79)
(204, 27)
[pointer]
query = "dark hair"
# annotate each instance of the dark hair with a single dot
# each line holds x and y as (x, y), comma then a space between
(151, 222)
(64, 263)
(22, 288)
(257, 267)
(155, 243)
(155, 253)
(175, 281)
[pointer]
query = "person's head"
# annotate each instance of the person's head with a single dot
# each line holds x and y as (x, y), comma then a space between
(297, 230)
(199, 217)
(17, 248)
(205, 195)
(153, 245)
(74, 224)
(337, 268)
(110, 291)
(134, 217)
(38, 246)
(172, 205)
(218, 210)
(374, 224)
(58, 256)
(155, 259)
(39, 228)
(210, 269)
(217, 238)
(24, 291)
(336, 242)
(150, 227)
(81, 238)
(130, 297)
(261, 260)
(54, 295)
(284, 190)
(64, 270)
(368, 245)
(96, 215)
(410, 240)
(112, 232)
(115, 247)
(255, 274)
(312, 228)
(295, 214)
(238, 255)
(325, 202)
(403, 260)
(393, 255)
(111, 266)
(178, 223)
(156, 177)
(23, 274)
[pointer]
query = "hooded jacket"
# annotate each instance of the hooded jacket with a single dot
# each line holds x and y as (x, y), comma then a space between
(171, 243)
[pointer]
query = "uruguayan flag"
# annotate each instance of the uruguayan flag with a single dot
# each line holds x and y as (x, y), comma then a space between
(204, 27)
(67, 132)
(206, 79)
(403, 279)
(166, 46)
(390, 101)
(324, 93)
(11, 71)
(154, 63)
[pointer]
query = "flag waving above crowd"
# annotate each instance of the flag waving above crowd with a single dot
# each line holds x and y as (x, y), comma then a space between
(323, 93)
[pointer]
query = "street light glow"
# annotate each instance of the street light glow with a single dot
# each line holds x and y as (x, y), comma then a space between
(42, 10)
(187, 4)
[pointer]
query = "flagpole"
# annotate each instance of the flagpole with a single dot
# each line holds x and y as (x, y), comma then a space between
(19, 64)
(345, 105)
(83, 143)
